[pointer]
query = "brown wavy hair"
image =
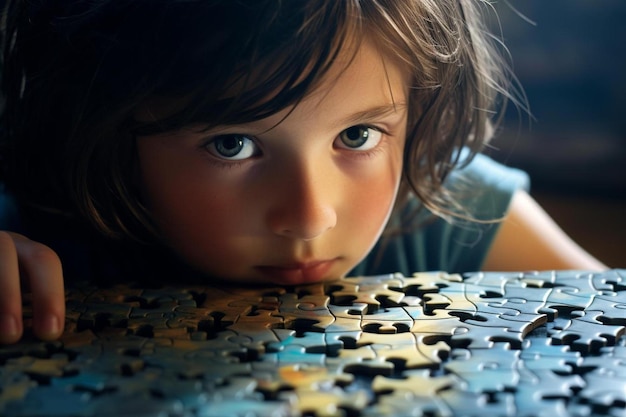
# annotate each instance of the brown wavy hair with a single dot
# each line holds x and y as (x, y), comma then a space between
(75, 73)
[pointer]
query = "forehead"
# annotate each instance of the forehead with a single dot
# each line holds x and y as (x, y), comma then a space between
(361, 85)
(364, 67)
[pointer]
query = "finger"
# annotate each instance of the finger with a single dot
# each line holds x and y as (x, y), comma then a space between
(43, 268)
(10, 296)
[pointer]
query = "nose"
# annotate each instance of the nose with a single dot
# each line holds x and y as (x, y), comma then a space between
(303, 208)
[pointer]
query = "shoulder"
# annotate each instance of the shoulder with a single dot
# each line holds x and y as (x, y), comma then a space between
(486, 187)
(483, 167)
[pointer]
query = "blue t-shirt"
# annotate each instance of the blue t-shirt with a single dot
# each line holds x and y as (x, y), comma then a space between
(451, 245)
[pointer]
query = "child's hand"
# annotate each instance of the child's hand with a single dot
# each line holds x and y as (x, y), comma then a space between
(31, 265)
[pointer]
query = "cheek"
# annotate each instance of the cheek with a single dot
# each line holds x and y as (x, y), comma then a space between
(374, 200)
(191, 205)
(205, 225)
(372, 197)
(194, 209)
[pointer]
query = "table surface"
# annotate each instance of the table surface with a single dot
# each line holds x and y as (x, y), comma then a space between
(519, 344)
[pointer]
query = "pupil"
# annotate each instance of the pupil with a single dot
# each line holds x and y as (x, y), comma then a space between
(355, 133)
(231, 143)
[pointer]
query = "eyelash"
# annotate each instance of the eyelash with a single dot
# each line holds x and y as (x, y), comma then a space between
(226, 164)
(370, 152)
(219, 163)
(356, 153)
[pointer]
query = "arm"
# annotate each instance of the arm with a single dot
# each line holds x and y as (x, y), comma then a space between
(36, 267)
(529, 239)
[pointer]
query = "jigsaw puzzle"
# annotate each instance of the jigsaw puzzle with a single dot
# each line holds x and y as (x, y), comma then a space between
(434, 344)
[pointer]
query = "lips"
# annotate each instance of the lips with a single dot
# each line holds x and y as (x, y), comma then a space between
(296, 273)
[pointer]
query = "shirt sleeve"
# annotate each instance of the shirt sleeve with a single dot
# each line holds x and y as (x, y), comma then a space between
(484, 188)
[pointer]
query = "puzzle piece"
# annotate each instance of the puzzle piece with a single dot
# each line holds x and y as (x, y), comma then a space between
(417, 390)
(587, 335)
(486, 370)
(405, 350)
(607, 381)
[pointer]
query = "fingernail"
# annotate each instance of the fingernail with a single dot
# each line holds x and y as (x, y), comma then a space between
(8, 326)
(49, 326)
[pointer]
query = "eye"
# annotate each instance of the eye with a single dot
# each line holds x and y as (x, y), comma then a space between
(232, 147)
(360, 137)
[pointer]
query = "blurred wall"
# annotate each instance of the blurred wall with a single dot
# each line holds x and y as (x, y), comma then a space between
(571, 62)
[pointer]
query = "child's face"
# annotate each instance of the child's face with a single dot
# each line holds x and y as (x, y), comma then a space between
(298, 197)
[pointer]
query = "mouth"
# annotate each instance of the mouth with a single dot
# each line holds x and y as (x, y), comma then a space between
(296, 273)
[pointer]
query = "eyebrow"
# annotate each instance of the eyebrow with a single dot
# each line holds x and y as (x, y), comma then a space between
(375, 113)
(370, 114)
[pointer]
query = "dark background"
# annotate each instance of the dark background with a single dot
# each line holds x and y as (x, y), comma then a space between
(570, 59)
